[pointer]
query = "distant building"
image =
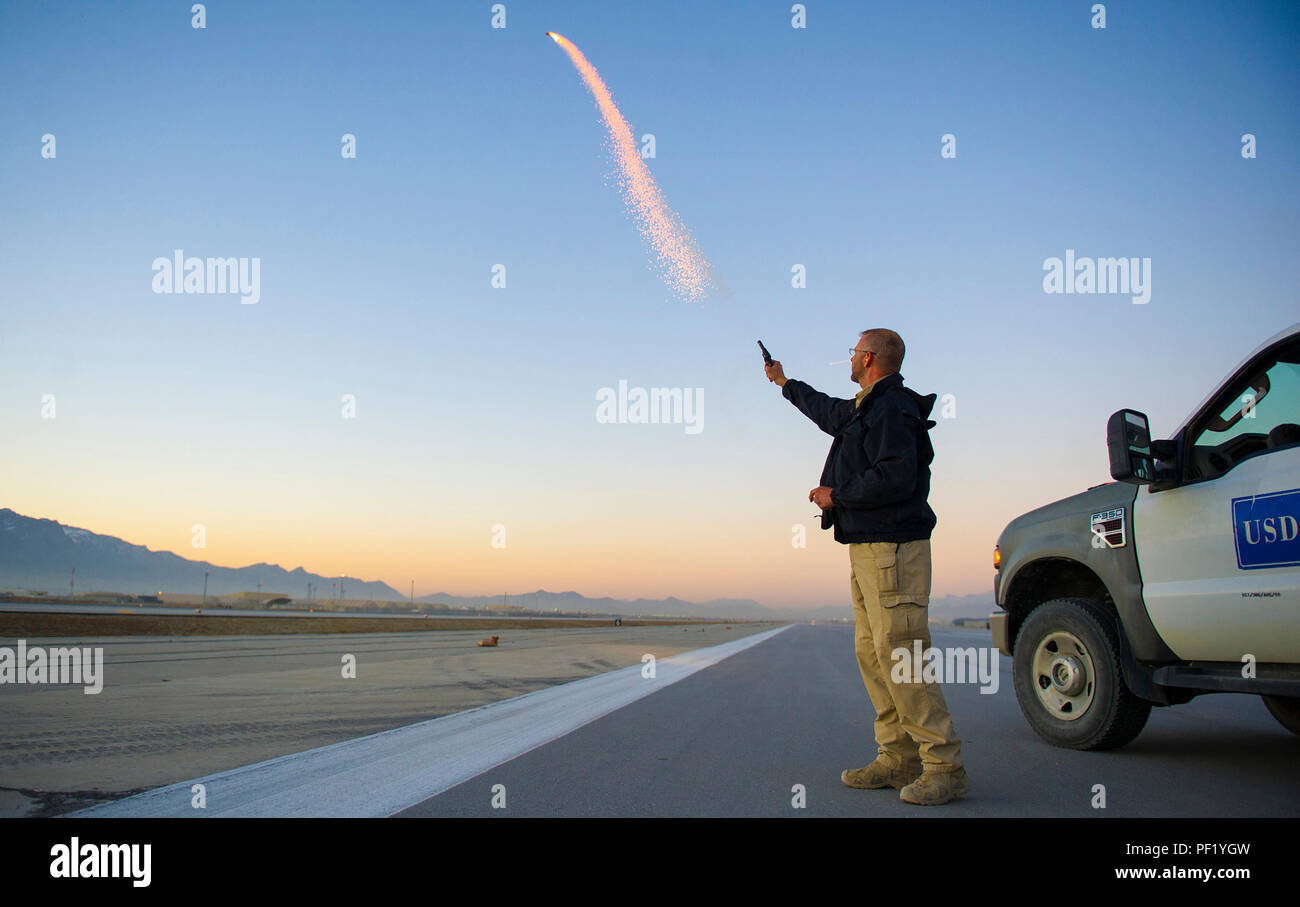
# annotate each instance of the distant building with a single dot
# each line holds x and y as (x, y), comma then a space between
(257, 598)
(21, 593)
(105, 598)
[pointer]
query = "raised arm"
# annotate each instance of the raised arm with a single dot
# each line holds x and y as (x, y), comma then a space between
(830, 414)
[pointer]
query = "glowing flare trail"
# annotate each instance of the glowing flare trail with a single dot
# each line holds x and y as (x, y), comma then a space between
(683, 266)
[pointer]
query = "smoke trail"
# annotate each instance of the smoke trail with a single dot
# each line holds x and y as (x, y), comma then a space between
(683, 266)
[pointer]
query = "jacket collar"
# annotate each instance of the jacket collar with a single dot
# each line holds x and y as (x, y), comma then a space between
(879, 388)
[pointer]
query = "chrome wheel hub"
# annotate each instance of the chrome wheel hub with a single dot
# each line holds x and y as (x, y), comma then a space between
(1064, 677)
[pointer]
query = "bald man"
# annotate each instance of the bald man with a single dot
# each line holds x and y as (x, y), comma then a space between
(873, 493)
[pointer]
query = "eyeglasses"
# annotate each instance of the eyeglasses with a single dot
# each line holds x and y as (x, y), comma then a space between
(855, 351)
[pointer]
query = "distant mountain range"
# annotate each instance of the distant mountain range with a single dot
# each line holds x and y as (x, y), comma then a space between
(944, 609)
(40, 554)
(544, 601)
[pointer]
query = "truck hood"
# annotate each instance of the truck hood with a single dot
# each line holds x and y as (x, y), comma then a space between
(1100, 497)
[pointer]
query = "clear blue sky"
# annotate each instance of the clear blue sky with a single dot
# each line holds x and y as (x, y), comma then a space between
(477, 146)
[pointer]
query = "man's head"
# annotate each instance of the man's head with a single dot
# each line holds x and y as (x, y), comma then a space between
(879, 353)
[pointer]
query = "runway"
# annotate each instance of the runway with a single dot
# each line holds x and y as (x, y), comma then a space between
(176, 708)
(376, 776)
(760, 726)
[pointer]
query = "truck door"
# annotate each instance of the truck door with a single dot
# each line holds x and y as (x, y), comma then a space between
(1220, 553)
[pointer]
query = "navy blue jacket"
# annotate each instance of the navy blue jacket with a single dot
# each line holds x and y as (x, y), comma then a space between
(878, 468)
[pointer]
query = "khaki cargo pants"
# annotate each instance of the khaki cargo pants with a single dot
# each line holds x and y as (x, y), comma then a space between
(891, 604)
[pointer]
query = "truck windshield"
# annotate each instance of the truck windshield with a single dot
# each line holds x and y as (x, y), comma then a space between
(1259, 416)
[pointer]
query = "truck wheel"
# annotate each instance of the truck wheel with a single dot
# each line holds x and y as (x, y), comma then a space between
(1286, 709)
(1068, 678)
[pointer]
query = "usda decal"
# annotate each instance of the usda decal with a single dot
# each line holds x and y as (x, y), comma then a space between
(1266, 528)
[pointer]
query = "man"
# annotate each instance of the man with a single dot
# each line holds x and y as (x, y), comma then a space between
(873, 493)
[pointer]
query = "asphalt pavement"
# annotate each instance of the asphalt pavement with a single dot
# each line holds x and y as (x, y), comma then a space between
(773, 726)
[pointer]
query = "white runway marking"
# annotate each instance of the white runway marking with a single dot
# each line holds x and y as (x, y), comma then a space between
(388, 772)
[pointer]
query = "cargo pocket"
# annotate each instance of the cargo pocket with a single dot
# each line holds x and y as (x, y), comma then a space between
(905, 624)
(913, 567)
(885, 555)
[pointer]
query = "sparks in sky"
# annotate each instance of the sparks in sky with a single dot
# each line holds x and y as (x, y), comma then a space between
(683, 266)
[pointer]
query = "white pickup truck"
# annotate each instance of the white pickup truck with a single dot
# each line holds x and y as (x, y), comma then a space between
(1182, 577)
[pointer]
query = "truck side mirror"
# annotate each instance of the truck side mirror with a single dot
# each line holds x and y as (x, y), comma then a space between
(1128, 440)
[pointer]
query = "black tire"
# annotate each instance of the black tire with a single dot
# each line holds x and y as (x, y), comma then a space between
(1075, 640)
(1286, 709)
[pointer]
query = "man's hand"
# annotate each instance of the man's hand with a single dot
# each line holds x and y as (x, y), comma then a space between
(775, 373)
(821, 496)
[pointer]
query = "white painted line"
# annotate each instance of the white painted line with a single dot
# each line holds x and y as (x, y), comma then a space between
(385, 773)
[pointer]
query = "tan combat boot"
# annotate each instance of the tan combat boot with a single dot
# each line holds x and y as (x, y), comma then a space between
(935, 787)
(881, 773)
